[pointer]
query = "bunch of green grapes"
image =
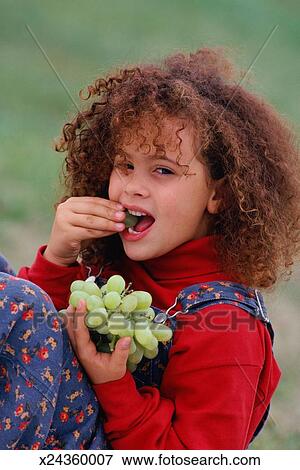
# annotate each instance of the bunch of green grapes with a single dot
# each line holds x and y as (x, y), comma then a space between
(114, 311)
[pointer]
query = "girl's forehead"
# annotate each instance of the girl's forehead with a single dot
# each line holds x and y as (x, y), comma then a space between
(151, 138)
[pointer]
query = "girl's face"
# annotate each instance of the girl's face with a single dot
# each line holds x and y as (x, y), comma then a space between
(178, 203)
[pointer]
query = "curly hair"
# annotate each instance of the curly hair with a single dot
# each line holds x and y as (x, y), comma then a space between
(242, 140)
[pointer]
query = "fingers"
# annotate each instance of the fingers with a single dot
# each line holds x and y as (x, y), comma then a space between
(95, 206)
(80, 233)
(97, 201)
(90, 218)
(98, 209)
(84, 345)
(120, 354)
(101, 367)
(70, 325)
(96, 223)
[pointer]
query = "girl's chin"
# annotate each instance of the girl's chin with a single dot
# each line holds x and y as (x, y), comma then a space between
(138, 253)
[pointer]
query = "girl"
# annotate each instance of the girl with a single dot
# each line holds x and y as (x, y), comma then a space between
(213, 173)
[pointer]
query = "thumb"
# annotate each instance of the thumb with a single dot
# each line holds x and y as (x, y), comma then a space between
(121, 351)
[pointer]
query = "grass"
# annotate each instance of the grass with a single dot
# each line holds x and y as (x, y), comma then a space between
(84, 40)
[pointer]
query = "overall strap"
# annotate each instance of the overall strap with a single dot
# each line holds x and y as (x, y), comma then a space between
(197, 296)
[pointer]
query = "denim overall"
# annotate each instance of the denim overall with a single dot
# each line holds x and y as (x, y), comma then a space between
(192, 299)
(46, 399)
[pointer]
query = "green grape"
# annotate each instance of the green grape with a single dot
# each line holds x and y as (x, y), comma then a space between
(132, 348)
(144, 299)
(131, 367)
(62, 312)
(129, 303)
(112, 300)
(95, 319)
(137, 356)
(130, 220)
(91, 288)
(76, 296)
(151, 342)
(112, 343)
(102, 312)
(119, 325)
(116, 323)
(150, 314)
(114, 313)
(150, 353)
(161, 332)
(144, 335)
(103, 290)
(94, 302)
(128, 330)
(103, 330)
(115, 283)
(77, 285)
(139, 315)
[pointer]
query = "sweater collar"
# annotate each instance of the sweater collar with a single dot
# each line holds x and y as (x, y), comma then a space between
(193, 258)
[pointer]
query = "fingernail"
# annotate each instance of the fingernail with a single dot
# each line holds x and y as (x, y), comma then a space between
(125, 344)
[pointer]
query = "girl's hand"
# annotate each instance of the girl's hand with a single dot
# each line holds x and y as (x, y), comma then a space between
(78, 219)
(100, 367)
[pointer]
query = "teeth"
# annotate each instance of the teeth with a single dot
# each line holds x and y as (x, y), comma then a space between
(136, 213)
(130, 230)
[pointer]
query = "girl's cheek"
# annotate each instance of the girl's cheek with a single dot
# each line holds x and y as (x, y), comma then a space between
(114, 187)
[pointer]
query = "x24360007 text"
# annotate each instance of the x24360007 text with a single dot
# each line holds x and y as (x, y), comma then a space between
(76, 459)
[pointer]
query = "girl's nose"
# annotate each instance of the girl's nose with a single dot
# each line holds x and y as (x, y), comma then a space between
(136, 186)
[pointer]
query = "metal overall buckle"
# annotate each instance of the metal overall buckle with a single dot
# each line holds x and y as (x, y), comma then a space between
(265, 317)
(162, 317)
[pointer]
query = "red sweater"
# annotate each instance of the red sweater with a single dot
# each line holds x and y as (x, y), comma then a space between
(217, 384)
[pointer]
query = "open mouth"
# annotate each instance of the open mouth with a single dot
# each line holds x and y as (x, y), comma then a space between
(138, 223)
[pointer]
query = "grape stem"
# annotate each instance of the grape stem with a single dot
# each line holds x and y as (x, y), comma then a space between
(126, 290)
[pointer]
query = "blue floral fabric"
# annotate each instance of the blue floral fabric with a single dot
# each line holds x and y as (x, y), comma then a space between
(46, 400)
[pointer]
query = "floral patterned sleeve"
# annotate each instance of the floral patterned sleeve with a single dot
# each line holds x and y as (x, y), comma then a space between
(46, 400)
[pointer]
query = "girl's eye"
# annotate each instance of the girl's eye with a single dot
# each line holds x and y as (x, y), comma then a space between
(126, 166)
(169, 172)
(121, 165)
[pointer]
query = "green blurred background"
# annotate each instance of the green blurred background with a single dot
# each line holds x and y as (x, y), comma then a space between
(85, 39)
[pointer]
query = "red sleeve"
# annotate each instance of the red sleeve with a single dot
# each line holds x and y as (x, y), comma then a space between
(207, 393)
(53, 279)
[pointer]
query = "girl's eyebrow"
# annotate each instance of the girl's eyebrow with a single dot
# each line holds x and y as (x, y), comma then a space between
(155, 157)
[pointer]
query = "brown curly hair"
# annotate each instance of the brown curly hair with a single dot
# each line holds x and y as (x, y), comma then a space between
(243, 140)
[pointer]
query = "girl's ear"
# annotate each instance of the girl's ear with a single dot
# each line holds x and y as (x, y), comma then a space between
(216, 201)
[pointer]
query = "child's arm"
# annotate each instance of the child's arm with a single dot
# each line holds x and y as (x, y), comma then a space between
(52, 278)
(207, 396)
(24, 357)
(46, 400)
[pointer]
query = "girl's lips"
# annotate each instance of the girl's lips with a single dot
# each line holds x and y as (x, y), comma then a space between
(131, 237)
